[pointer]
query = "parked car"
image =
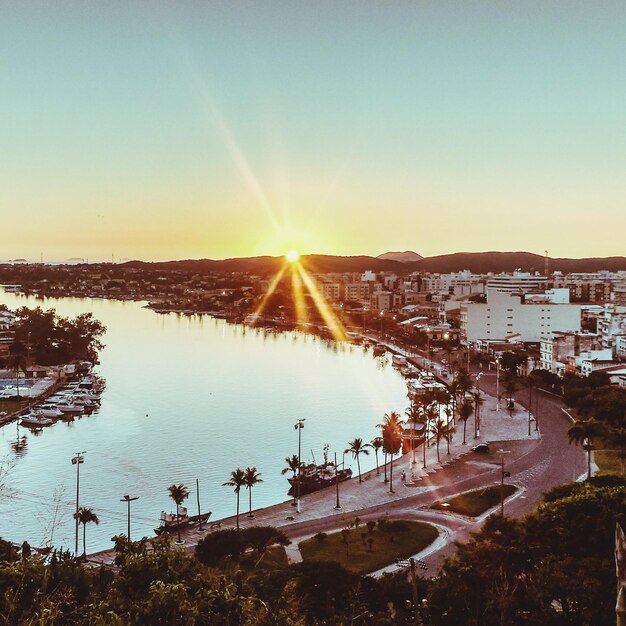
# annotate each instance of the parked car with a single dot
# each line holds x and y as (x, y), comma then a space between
(481, 448)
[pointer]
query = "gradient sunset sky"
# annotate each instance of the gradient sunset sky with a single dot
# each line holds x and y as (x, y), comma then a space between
(162, 130)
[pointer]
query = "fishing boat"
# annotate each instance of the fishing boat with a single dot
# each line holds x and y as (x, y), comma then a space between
(315, 477)
(170, 522)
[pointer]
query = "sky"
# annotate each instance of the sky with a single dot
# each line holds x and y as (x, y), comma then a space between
(170, 130)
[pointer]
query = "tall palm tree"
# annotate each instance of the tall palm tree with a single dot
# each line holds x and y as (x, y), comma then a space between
(17, 362)
(292, 466)
(237, 480)
(392, 440)
(415, 416)
(178, 493)
(251, 478)
(357, 447)
(465, 410)
(478, 402)
(582, 433)
(441, 431)
(85, 516)
(376, 444)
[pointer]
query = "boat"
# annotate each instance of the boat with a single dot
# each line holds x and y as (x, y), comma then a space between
(36, 421)
(51, 412)
(315, 477)
(398, 360)
(71, 409)
(170, 522)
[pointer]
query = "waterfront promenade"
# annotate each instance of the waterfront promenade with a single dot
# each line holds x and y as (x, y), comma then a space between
(458, 471)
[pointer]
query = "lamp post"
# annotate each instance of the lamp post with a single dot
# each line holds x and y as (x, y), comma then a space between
(477, 420)
(503, 476)
(299, 425)
(77, 460)
(128, 500)
(498, 383)
(428, 345)
(337, 506)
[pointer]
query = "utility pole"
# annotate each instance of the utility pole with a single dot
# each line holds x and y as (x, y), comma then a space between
(497, 384)
(503, 476)
(198, 500)
(530, 402)
(299, 425)
(77, 459)
(337, 506)
(128, 500)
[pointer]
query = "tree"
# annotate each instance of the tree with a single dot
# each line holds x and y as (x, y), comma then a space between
(178, 493)
(441, 431)
(376, 444)
(237, 480)
(357, 447)
(251, 478)
(582, 433)
(292, 466)
(392, 440)
(17, 361)
(85, 516)
(415, 415)
(617, 437)
(465, 411)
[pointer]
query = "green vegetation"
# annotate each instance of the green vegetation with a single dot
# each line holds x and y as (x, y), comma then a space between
(475, 503)
(555, 567)
(609, 462)
(365, 549)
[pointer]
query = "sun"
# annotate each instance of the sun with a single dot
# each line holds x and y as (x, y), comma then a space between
(292, 256)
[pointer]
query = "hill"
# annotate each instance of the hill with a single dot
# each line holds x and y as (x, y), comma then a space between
(402, 257)
(478, 262)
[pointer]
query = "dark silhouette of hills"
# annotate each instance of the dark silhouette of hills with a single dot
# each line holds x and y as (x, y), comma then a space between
(478, 262)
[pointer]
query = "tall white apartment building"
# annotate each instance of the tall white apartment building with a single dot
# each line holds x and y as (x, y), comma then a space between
(505, 314)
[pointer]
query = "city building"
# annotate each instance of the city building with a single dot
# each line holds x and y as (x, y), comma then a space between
(506, 313)
(557, 347)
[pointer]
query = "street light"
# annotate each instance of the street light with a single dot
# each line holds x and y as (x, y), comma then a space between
(477, 420)
(77, 460)
(498, 383)
(299, 425)
(503, 476)
(128, 500)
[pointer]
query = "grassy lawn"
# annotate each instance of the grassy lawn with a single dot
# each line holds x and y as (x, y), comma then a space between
(474, 503)
(390, 541)
(608, 461)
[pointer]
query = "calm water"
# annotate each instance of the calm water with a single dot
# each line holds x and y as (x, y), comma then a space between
(186, 398)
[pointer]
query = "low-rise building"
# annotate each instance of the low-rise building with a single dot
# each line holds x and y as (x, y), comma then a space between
(557, 347)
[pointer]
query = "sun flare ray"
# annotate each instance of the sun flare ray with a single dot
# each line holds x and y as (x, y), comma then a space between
(328, 315)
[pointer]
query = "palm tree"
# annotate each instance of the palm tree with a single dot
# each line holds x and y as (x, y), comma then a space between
(292, 466)
(237, 480)
(583, 432)
(251, 478)
(478, 402)
(357, 447)
(392, 440)
(178, 493)
(85, 516)
(465, 410)
(377, 444)
(17, 362)
(415, 415)
(442, 431)
(510, 386)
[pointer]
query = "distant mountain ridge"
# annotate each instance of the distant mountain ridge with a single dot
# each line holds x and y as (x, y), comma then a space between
(403, 257)
(477, 262)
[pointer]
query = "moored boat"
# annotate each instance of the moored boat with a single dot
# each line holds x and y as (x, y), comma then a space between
(36, 421)
(315, 477)
(170, 522)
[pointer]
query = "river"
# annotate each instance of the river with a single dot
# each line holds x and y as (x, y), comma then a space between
(187, 397)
